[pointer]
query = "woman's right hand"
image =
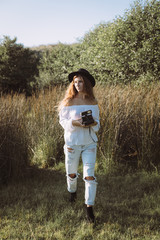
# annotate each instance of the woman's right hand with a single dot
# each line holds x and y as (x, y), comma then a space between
(77, 122)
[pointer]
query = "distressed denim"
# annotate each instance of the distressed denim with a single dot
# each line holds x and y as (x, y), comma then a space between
(72, 157)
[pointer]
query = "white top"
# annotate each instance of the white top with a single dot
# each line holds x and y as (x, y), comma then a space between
(74, 135)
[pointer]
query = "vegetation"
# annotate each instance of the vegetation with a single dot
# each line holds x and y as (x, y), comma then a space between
(129, 133)
(127, 207)
(13, 137)
(122, 51)
(127, 49)
(124, 54)
(56, 63)
(18, 67)
(130, 125)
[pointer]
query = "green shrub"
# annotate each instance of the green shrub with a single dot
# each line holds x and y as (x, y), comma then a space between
(18, 68)
(126, 49)
(57, 63)
(122, 51)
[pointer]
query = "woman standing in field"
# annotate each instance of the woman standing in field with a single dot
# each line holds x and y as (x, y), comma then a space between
(79, 116)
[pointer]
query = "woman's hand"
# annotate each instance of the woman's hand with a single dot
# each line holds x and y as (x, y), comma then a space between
(90, 125)
(78, 123)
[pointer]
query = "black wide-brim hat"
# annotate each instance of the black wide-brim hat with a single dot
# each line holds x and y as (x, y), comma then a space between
(82, 72)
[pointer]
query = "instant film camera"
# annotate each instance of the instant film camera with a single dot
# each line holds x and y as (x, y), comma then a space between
(87, 118)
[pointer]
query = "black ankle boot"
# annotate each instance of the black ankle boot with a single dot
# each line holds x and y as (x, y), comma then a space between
(73, 197)
(90, 215)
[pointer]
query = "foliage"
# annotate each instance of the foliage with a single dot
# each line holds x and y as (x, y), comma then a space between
(122, 51)
(137, 42)
(18, 67)
(128, 48)
(56, 64)
(98, 50)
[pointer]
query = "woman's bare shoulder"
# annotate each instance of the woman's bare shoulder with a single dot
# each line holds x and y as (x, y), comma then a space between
(76, 101)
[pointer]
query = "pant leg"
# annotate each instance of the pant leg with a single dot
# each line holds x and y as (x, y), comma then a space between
(72, 156)
(89, 160)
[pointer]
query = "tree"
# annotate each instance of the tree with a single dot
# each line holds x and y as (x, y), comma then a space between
(137, 42)
(18, 67)
(57, 63)
(127, 49)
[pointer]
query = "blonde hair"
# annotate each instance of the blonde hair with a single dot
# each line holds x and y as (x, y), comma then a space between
(72, 92)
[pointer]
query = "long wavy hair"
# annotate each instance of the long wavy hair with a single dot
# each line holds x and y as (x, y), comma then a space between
(72, 92)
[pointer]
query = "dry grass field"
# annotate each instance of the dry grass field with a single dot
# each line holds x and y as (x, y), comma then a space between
(33, 196)
(129, 133)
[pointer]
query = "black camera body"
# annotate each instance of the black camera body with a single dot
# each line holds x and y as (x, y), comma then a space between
(87, 118)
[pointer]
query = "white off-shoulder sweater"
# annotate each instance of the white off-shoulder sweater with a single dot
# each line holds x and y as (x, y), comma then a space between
(74, 135)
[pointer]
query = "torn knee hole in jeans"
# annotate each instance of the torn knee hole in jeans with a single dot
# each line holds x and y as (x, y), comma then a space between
(89, 178)
(71, 150)
(73, 175)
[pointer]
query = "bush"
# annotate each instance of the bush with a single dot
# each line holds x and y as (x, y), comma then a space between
(18, 68)
(127, 49)
(137, 42)
(57, 63)
(122, 51)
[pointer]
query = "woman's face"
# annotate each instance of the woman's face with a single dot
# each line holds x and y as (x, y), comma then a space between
(79, 84)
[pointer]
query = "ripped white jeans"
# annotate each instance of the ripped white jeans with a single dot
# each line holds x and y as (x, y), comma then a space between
(72, 157)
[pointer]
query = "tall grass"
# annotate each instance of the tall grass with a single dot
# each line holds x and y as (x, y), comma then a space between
(129, 134)
(13, 137)
(130, 130)
(44, 132)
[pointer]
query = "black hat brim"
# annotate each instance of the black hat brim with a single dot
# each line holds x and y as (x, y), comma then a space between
(88, 75)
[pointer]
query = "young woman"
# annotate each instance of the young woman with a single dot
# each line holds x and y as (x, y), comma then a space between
(80, 140)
